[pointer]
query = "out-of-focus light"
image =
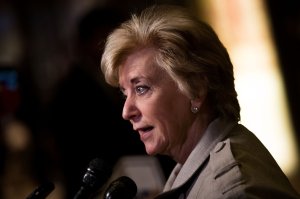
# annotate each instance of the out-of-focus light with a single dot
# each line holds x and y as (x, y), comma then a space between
(243, 27)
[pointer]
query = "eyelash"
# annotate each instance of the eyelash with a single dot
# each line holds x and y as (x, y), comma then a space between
(140, 90)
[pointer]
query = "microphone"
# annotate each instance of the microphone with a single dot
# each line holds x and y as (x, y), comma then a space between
(42, 191)
(96, 175)
(121, 188)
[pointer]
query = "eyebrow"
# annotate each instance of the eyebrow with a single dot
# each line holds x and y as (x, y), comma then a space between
(133, 81)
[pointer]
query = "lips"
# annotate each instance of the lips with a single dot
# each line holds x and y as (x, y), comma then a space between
(144, 132)
(146, 129)
(143, 128)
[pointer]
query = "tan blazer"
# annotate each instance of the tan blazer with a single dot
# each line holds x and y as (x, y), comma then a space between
(228, 162)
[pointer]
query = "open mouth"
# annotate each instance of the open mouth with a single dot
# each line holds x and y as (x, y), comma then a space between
(145, 133)
(145, 129)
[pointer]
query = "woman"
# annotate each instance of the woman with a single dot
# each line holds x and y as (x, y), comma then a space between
(178, 82)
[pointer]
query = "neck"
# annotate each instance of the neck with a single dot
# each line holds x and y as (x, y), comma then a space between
(194, 134)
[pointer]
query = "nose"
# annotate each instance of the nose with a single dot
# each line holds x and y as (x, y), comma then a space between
(130, 110)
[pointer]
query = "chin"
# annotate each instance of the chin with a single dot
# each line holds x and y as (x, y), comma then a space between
(151, 151)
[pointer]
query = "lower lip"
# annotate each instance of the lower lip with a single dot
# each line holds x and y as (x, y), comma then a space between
(145, 135)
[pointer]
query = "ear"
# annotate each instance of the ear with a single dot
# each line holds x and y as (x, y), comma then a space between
(197, 101)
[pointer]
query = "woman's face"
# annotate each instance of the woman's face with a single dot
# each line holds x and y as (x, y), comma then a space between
(154, 105)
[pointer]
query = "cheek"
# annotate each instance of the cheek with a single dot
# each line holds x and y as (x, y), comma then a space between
(178, 116)
(173, 115)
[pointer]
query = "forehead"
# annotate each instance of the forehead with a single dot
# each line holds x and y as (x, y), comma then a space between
(140, 64)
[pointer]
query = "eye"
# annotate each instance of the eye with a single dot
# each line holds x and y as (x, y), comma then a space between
(140, 90)
(122, 94)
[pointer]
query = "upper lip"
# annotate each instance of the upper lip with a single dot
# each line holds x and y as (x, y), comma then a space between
(141, 128)
(138, 128)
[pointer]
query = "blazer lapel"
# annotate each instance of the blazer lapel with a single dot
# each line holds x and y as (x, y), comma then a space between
(215, 132)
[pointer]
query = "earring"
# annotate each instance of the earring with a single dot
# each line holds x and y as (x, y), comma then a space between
(194, 109)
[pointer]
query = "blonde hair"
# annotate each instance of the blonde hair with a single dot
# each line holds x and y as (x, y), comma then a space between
(186, 48)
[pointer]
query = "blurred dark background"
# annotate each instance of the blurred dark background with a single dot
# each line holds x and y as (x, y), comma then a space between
(53, 93)
(285, 22)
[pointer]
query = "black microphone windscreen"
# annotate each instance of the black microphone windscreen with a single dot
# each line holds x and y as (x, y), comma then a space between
(97, 173)
(42, 191)
(121, 188)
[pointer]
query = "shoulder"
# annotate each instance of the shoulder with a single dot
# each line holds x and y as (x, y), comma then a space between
(240, 165)
(225, 170)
